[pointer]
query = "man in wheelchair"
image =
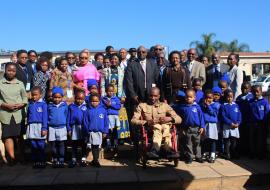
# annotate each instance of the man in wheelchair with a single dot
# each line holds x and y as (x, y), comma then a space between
(159, 116)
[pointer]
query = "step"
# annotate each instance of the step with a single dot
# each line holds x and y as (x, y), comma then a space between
(125, 174)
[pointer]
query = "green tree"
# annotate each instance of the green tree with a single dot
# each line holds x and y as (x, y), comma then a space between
(205, 47)
(234, 46)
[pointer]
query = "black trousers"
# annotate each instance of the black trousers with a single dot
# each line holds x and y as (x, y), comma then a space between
(230, 146)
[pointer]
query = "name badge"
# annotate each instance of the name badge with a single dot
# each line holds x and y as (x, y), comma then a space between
(27, 88)
(69, 93)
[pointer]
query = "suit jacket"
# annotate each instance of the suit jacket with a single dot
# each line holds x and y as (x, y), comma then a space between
(209, 84)
(236, 80)
(135, 79)
(198, 71)
(21, 76)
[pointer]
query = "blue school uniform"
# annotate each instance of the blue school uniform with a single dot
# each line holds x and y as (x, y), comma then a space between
(199, 96)
(191, 114)
(75, 120)
(210, 114)
(37, 119)
(113, 111)
(230, 113)
(243, 103)
(95, 122)
(259, 109)
(57, 121)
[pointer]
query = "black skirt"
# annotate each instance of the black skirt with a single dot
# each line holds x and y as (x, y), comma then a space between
(11, 130)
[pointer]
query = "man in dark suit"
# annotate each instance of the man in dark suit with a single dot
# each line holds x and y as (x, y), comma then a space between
(215, 72)
(141, 76)
(24, 71)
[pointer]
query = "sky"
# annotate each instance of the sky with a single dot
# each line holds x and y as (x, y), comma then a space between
(60, 25)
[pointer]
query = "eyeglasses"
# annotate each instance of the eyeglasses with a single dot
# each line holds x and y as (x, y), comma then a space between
(141, 51)
(83, 57)
(159, 49)
(71, 58)
(191, 53)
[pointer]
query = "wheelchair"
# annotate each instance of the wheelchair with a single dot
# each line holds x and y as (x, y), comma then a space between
(144, 144)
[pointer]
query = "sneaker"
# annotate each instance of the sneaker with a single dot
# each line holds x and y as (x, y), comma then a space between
(152, 154)
(43, 165)
(61, 164)
(55, 164)
(72, 164)
(83, 163)
(35, 165)
(211, 160)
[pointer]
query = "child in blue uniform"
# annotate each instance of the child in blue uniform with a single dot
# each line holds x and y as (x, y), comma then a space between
(37, 127)
(57, 121)
(230, 121)
(223, 85)
(75, 120)
(113, 105)
(197, 86)
(193, 126)
(243, 103)
(96, 125)
(217, 92)
(259, 112)
(92, 86)
(210, 112)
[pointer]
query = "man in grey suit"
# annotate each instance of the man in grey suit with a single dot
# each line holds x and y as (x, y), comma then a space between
(196, 69)
(141, 76)
(215, 72)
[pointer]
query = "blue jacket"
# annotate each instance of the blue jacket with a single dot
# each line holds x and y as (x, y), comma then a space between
(75, 115)
(210, 112)
(259, 110)
(199, 96)
(115, 105)
(191, 114)
(57, 115)
(96, 120)
(230, 113)
(243, 103)
(37, 113)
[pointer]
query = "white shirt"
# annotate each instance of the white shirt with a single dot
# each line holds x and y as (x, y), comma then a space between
(123, 64)
(190, 66)
(143, 64)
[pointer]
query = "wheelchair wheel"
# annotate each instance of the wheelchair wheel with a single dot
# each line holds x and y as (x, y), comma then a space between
(175, 162)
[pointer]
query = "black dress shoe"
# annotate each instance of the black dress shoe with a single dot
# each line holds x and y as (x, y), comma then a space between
(95, 164)
(188, 161)
(152, 154)
(200, 160)
(227, 156)
(172, 154)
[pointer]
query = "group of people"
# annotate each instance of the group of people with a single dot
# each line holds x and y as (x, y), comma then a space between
(100, 102)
